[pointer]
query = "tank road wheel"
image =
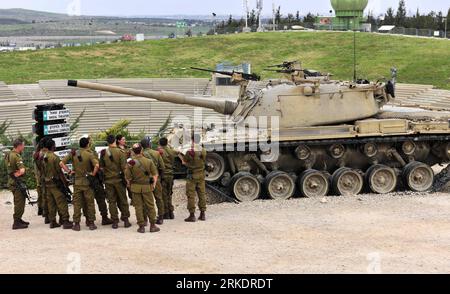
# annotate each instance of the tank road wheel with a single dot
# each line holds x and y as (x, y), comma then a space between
(314, 183)
(280, 185)
(215, 167)
(381, 179)
(418, 176)
(246, 187)
(347, 182)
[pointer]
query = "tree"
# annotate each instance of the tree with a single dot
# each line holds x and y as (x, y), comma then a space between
(278, 15)
(230, 20)
(309, 19)
(297, 16)
(252, 19)
(290, 18)
(400, 18)
(389, 17)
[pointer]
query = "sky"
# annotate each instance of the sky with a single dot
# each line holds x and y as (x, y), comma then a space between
(202, 7)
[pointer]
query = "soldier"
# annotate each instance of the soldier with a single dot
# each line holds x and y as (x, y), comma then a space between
(38, 158)
(194, 160)
(114, 162)
(159, 163)
(99, 193)
(142, 176)
(84, 164)
(55, 198)
(168, 155)
(121, 142)
(16, 170)
(37, 163)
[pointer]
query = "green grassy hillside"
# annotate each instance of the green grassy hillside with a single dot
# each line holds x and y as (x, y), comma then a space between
(422, 61)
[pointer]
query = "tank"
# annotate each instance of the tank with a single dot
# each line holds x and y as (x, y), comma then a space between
(311, 136)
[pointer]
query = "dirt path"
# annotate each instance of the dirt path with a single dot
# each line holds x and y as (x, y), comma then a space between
(404, 233)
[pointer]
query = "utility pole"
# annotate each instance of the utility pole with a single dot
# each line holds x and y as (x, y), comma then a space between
(274, 15)
(445, 27)
(214, 21)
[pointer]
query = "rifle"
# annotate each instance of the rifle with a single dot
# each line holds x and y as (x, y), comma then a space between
(63, 186)
(245, 76)
(96, 183)
(23, 189)
(286, 64)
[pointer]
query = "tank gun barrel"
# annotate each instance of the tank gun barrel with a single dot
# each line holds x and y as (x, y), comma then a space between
(220, 106)
(245, 76)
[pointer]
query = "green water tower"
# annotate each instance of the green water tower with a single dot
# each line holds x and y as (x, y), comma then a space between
(349, 14)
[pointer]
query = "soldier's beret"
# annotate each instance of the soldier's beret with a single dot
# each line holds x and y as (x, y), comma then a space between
(132, 163)
(73, 152)
(36, 155)
(103, 153)
(191, 153)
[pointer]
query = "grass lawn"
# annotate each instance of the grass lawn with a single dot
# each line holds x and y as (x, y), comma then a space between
(421, 61)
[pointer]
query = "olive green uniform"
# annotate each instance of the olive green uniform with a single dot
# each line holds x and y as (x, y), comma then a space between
(127, 153)
(40, 181)
(168, 155)
(195, 184)
(55, 198)
(139, 172)
(15, 163)
(100, 196)
(114, 162)
(159, 163)
(83, 162)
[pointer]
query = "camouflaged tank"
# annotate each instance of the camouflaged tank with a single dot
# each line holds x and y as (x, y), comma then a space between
(323, 137)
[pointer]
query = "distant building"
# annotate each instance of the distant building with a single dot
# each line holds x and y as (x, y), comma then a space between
(349, 15)
(127, 37)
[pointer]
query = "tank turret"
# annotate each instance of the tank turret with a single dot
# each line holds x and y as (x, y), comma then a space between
(303, 100)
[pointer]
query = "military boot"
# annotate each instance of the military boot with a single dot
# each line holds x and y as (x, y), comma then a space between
(126, 222)
(60, 222)
(106, 221)
(24, 222)
(54, 225)
(202, 216)
(115, 225)
(191, 218)
(154, 228)
(40, 211)
(76, 227)
(46, 220)
(141, 229)
(167, 216)
(171, 215)
(67, 225)
(92, 226)
(17, 225)
(160, 220)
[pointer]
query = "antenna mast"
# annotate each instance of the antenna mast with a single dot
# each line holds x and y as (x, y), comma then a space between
(274, 13)
(246, 10)
(259, 7)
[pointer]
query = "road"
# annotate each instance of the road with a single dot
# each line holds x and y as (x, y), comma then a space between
(398, 233)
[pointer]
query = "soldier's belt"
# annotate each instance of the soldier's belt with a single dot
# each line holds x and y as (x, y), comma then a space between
(141, 183)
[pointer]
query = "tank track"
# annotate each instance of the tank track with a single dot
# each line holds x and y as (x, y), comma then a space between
(440, 180)
(222, 192)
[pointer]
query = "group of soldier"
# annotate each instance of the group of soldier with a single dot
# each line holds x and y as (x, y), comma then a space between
(147, 175)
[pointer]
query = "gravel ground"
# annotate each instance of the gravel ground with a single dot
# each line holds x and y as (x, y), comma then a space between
(397, 233)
